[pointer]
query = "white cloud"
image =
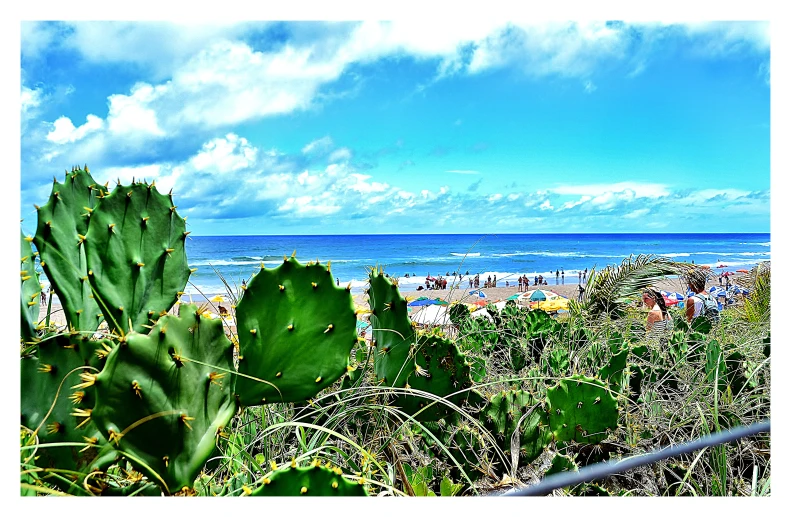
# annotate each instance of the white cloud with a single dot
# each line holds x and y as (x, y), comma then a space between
(495, 197)
(589, 87)
(340, 155)
(639, 189)
(636, 214)
(63, 130)
(320, 145)
(546, 205)
(225, 155)
(30, 99)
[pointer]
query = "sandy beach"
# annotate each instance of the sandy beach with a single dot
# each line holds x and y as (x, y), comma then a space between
(451, 294)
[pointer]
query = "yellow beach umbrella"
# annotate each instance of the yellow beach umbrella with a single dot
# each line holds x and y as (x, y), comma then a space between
(218, 299)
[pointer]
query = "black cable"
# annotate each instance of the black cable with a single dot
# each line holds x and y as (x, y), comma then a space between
(608, 468)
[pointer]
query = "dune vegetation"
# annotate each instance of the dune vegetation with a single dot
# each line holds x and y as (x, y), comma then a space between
(141, 394)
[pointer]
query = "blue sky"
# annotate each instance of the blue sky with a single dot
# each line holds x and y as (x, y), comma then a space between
(410, 126)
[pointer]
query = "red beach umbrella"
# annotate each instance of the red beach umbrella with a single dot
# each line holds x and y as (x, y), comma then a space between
(742, 271)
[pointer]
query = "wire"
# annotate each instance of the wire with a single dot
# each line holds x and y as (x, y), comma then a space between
(608, 468)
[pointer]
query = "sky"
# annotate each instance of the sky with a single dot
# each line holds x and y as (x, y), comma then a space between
(482, 125)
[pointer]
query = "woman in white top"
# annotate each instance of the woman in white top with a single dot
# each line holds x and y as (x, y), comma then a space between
(658, 318)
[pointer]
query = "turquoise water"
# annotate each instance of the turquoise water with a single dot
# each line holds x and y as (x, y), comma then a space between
(507, 256)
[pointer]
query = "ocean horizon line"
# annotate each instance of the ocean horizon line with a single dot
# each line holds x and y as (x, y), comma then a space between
(469, 234)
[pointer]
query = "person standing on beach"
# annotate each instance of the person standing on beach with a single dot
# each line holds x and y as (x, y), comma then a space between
(584, 274)
(581, 290)
(520, 284)
(579, 275)
(494, 282)
(557, 275)
(563, 276)
(658, 318)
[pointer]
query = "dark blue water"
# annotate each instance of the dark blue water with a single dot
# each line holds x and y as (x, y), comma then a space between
(507, 256)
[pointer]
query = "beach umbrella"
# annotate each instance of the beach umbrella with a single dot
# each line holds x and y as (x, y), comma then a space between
(722, 265)
(553, 305)
(478, 293)
(672, 298)
(513, 297)
(500, 305)
(541, 295)
(716, 291)
(421, 303)
(742, 271)
(218, 299)
(437, 301)
(432, 315)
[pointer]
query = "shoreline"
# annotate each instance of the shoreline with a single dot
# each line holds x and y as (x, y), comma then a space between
(453, 293)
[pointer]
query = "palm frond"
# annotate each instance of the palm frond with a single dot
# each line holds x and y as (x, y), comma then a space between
(609, 290)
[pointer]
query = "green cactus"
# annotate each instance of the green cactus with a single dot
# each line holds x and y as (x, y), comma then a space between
(60, 236)
(440, 369)
(315, 480)
(556, 362)
(30, 291)
(581, 409)
(137, 264)
(296, 331)
(393, 333)
(561, 463)
(501, 416)
(43, 378)
(613, 372)
(164, 398)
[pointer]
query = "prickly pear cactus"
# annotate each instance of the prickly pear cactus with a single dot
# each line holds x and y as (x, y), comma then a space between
(581, 409)
(163, 398)
(556, 362)
(440, 369)
(46, 379)
(393, 333)
(30, 291)
(296, 331)
(60, 235)
(613, 372)
(501, 416)
(561, 463)
(137, 265)
(315, 480)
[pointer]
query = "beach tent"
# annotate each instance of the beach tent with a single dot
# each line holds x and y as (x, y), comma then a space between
(482, 313)
(432, 315)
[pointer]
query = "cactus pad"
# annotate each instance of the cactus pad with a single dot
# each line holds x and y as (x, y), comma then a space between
(296, 331)
(30, 291)
(440, 369)
(581, 409)
(60, 238)
(42, 375)
(136, 258)
(309, 481)
(501, 416)
(393, 333)
(156, 401)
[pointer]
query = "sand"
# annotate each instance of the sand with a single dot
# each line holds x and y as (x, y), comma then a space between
(493, 294)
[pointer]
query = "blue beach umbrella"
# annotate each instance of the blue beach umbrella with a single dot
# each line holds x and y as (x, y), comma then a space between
(478, 293)
(420, 303)
(716, 291)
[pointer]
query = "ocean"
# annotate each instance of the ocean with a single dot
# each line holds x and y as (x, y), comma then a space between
(508, 256)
